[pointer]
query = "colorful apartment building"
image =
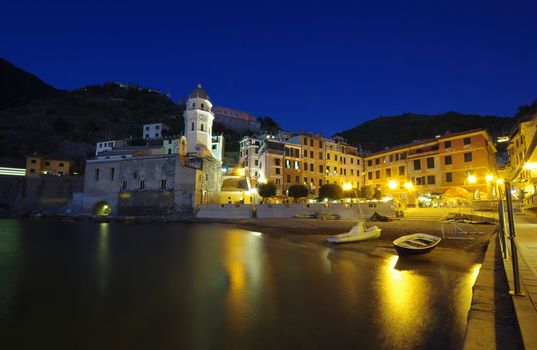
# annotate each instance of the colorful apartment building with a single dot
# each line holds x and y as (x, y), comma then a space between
(462, 162)
(43, 165)
(249, 157)
(523, 161)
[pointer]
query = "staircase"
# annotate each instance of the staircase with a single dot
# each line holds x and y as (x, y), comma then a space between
(426, 214)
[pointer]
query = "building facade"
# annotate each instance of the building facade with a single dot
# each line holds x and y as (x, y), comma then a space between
(153, 131)
(43, 165)
(522, 172)
(418, 171)
(168, 179)
(235, 120)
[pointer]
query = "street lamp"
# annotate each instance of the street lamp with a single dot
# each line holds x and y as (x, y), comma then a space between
(472, 179)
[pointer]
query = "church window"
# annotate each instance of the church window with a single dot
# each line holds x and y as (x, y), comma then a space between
(201, 127)
(192, 126)
(202, 106)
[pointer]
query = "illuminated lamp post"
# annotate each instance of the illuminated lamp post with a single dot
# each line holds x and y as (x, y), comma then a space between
(472, 179)
(392, 185)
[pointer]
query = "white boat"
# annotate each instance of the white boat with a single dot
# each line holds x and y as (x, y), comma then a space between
(417, 243)
(356, 234)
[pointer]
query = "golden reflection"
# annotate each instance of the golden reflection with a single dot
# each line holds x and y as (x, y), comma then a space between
(404, 303)
(102, 255)
(239, 262)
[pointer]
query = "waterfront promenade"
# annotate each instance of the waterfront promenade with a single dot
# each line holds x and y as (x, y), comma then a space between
(525, 306)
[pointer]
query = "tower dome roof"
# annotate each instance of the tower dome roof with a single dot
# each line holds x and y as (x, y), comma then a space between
(199, 92)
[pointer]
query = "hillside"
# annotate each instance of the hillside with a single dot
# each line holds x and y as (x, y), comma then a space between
(18, 87)
(68, 125)
(382, 132)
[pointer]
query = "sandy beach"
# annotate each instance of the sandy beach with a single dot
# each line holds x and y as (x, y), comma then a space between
(457, 253)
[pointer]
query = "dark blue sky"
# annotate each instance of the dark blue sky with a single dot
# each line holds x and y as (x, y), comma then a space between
(324, 66)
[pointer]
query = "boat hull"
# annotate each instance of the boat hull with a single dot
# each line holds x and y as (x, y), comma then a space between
(371, 233)
(415, 244)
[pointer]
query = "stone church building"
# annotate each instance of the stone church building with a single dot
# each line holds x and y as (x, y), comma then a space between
(164, 184)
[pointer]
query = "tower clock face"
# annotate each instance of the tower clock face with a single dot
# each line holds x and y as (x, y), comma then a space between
(202, 117)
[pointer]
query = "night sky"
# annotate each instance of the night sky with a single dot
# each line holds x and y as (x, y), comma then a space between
(324, 66)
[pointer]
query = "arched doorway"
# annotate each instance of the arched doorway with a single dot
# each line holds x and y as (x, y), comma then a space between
(102, 208)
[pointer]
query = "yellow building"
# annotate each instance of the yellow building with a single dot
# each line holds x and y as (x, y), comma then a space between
(343, 164)
(42, 165)
(523, 162)
(463, 163)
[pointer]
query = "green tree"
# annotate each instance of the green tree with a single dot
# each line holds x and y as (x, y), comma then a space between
(367, 192)
(378, 193)
(330, 191)
(266, 190)
(297, 191)
(269, 124)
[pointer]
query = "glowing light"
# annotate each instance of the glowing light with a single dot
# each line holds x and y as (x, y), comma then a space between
(530, 166)
(392, 184)
(489, 177)
(242, 171)
(262, 180)
(472, 179)
(12, 171)
(503, 139)
(499, 181)
(408, 185)
(257, 234)
(347, 186)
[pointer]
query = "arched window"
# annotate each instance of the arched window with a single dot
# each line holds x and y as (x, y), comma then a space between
(202, 106)
(201, 127)
(192, 126)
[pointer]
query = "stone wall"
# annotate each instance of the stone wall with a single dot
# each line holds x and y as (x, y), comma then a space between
(224, 211)
(146, 203)
(345, 211)
(10, 191)
(47, 194)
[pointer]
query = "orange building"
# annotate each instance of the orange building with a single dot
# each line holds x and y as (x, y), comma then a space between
(313, 164)
(421, 171)
(42, 165)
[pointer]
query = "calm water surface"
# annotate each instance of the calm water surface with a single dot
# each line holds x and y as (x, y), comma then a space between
(119, 286)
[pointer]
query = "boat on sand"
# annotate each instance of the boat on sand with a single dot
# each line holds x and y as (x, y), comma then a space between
(417, 243)
(356, 234)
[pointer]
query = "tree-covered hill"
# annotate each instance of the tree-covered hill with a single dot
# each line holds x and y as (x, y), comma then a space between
(382, 132)
(70, 123)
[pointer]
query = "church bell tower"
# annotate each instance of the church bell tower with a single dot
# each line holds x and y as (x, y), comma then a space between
(198, 121)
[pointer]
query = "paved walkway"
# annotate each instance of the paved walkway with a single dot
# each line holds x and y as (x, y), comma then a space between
(525, 306)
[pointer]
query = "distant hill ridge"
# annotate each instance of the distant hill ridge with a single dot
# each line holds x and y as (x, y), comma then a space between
(18, 87)
(383, 132)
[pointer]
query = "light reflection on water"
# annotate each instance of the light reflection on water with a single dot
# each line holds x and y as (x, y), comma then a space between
(209, 286)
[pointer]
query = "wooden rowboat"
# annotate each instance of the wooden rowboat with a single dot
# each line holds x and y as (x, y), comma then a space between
(417, 243)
